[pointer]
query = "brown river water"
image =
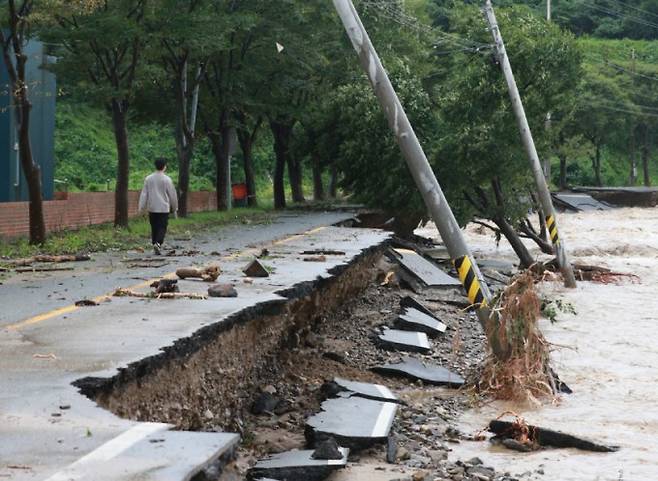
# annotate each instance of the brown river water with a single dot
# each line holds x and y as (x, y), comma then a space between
(608, 355)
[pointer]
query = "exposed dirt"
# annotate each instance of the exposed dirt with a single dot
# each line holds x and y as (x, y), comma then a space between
(340, 344)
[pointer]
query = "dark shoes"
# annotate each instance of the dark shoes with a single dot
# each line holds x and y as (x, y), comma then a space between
(157, 249)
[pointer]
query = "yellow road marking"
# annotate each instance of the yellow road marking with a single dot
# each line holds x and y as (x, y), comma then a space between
(67, 309)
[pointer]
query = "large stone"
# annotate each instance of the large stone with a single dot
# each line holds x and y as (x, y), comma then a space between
(222, 290)
(256, 269)
(404, 340)
(297, 466)
(429, 373)
(414, 320)
(426, 271)
(354, 422)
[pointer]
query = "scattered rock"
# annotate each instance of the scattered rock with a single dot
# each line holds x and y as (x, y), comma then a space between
(222, 290)
(327, 449)
(256, 269)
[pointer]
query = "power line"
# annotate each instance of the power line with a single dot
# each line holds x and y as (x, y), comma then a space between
(633, 7)
(617, 14)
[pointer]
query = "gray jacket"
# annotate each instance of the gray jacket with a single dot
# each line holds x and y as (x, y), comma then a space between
(158, 195)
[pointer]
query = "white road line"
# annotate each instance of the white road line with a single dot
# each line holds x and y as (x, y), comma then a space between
(109, 450)
(384, 420)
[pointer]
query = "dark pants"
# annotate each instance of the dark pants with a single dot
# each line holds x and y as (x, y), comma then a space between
(158, 226)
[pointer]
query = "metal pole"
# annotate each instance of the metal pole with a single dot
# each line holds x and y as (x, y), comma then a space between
(435, 201)
(531, 150)
(548, 10)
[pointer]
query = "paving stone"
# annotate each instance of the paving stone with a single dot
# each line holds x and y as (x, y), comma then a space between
(415, 369)
(354, 422)
(296, 466)
(367, 390)
(426, 271)
(414, 320)
(405, 340)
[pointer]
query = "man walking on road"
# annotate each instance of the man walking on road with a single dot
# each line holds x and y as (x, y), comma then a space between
(159, 198)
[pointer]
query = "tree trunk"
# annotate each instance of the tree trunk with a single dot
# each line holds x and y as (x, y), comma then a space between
(296, 178)
(119, 114)
(333, 181)
(563, 171)
(282, 131)
(184, 161)
(597, 167)
(646, 155)
(515, 241)
(318, 187)
(19, 88)
(246, 145)
(632, 175)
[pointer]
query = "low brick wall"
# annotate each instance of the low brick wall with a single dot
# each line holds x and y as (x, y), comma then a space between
(77, 210)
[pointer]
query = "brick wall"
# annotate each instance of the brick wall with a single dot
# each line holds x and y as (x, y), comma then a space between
(77, 210)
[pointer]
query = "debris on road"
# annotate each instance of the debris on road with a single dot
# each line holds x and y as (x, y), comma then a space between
(322, 252)
(50, 356)
(412, 319)
(526, 437)
(222, 290)
(86, 303)
(256, 269)
(315, 259)
(365, 390)
(122, 292)
(207, 274)
(165, 285)
(26, 261)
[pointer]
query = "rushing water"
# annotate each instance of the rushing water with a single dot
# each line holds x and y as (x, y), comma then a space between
(607, 353)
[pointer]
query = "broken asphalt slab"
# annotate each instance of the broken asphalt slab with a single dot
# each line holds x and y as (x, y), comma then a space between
(416, 370)
(429, 273)
(354, 422)
(164, 455)
(548, 438)
(412, 303)
(296, 466)
(366, 390)
(414, 320)
(578, 202)
(411, 341)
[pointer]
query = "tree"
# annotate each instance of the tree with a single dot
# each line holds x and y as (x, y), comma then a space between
(102, 47)
(183, 43)
(14, 39)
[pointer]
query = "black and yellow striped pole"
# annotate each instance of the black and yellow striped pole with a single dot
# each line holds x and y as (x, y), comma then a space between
(435, 201)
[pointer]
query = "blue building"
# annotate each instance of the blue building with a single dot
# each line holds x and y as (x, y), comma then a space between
(43, 92)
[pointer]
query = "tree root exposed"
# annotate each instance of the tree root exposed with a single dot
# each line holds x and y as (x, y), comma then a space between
(526, 374)
(207, 274)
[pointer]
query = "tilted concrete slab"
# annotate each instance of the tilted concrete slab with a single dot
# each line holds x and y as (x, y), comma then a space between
(414, 320)
(41, 359)
(411, 341)
(579, 202)
(367, 390)
(147, 452)
(414, 369)
(354, 422)
(410, 302)
(297, 466)
(420, 267)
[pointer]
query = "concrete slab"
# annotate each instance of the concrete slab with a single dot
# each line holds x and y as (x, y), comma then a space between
(579, 202)
(354, 422)
(420, 267)
(147, 453)
(410, 341)
(415, 320)
(297, 465)
(367, 390)
(414, 369)
(409, 301)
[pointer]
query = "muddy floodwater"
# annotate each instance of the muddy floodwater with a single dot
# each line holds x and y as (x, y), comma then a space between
(607, 353)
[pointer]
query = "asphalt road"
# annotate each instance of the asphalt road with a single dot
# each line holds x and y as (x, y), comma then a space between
(25, 297)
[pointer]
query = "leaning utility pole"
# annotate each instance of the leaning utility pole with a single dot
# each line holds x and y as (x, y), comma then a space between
(435, 201)
(531, 150)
